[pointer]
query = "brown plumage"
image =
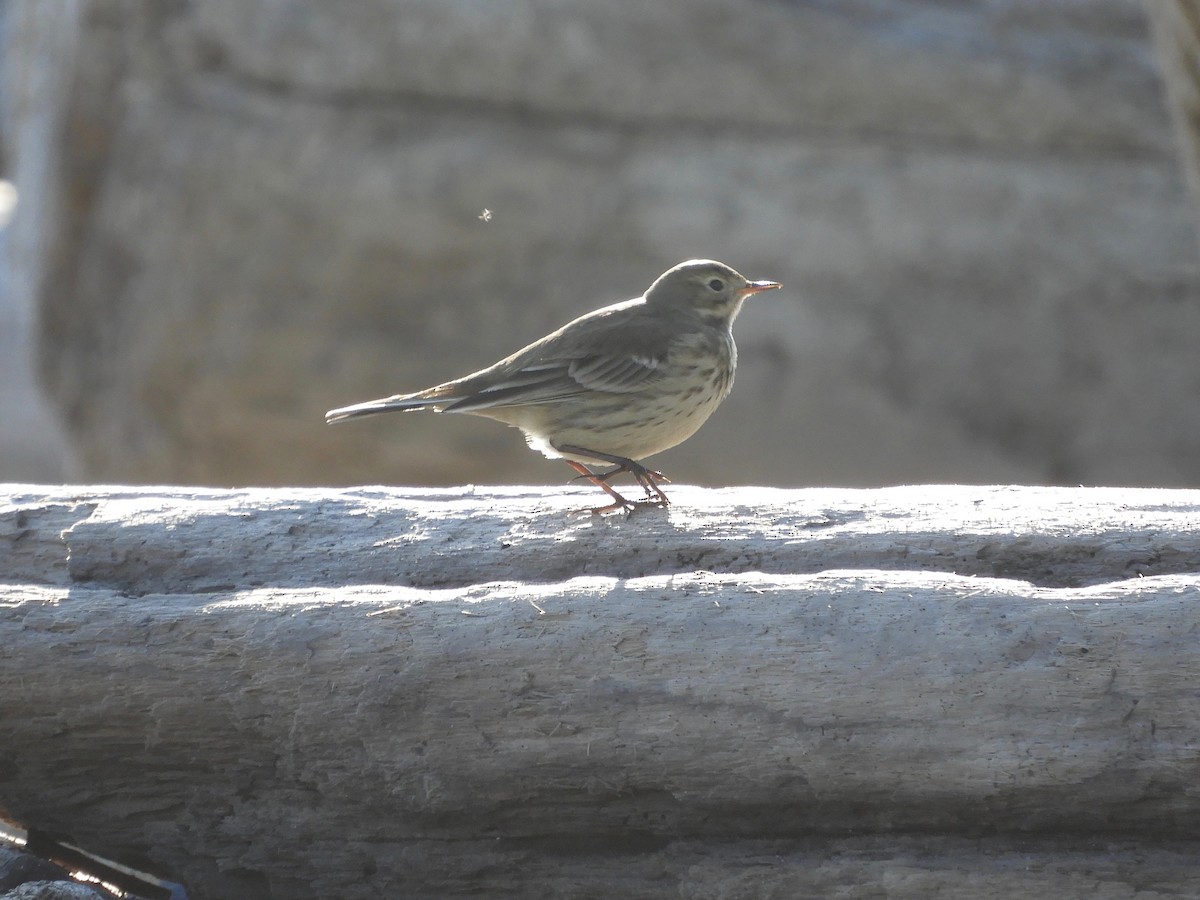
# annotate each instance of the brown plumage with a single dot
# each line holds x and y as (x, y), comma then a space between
(614, 386)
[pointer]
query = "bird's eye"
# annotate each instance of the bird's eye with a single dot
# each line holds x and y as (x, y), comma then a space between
(717, 284)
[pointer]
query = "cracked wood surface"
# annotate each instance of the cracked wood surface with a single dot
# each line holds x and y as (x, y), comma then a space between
(401, 692)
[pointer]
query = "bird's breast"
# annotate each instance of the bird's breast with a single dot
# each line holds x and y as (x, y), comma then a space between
(702, 363)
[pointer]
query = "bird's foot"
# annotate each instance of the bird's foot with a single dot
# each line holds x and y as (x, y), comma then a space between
(629, 507)
(647, 478)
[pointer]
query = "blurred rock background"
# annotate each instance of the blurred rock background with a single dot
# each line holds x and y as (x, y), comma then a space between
(235, 214)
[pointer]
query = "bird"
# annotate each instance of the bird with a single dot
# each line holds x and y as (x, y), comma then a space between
(614, 386)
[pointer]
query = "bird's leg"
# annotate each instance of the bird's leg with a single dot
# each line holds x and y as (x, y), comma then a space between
(619, 502)
(617, 470)
(645, 477)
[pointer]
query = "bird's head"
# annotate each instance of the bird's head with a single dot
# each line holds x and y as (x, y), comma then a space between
(711, 289)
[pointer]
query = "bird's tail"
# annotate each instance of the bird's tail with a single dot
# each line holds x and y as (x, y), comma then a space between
(371, 407)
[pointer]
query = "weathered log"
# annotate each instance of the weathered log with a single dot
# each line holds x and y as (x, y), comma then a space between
(387, 692)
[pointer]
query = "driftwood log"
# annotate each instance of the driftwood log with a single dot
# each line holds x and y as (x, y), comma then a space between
(914, 692)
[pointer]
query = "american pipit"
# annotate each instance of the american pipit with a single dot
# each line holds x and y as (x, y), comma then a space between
(614, 386)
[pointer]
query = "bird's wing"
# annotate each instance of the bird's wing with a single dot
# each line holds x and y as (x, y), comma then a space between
(613, 350)
(620, 373)
(548, 380)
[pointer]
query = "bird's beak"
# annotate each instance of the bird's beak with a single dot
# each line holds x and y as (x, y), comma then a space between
(754, 287)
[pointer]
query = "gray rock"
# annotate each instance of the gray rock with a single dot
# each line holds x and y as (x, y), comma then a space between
(52, 890)
(262, 210)
(17, 868)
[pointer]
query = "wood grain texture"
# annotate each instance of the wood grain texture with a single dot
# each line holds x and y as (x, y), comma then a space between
(397, 692)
